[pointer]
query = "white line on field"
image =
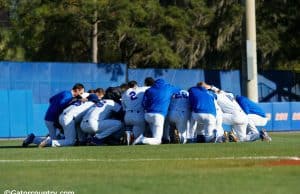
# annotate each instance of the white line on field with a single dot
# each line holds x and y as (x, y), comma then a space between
(155, 159)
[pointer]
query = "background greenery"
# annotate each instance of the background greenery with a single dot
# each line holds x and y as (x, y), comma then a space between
(150, 33)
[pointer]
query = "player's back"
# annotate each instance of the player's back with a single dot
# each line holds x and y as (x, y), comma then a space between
(250, 107)
(132, 99)
(201, 100)
(77, 107)
(180, 101)
(227, 102)
(57, 104)
(102, 110)
(157, 98)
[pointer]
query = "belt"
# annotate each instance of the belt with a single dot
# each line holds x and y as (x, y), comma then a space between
(177, 110)
(137, 111)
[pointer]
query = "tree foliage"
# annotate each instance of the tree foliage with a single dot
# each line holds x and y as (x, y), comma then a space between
(152, 33)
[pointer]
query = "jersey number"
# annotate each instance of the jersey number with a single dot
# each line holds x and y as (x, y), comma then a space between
(100, 103)
(77, 103)
(132, 95)
(230, 97)
(181, 95)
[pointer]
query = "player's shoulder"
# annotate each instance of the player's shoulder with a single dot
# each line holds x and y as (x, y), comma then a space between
(142, 88)
(127, 92)
(185, 92)
(61, 94)
(110, 102)
(107, 101)
(65, 92)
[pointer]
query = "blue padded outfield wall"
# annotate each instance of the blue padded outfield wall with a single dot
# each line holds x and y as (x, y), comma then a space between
(47, 79)
(273, 86)
(26, 87)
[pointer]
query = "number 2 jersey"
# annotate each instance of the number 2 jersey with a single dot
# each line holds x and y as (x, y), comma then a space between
(132, 99)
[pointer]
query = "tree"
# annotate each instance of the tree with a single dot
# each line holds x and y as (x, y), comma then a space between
(166, 33)
(277, 34)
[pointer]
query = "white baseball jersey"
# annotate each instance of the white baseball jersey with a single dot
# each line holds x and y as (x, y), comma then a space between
(227, 102)
(85, 95)
(132, 104)
(179, 114)
(180, 101)
(77, 110)
(233, 114)
(102, 110)
(97, 118)
(132, 98)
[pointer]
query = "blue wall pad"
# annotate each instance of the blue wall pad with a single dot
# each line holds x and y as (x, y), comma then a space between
(268, 108)
(230, 80)
(39, 127)
(20, 112)
(46, 79)
(281, 117)
(295, 115)
(181, 78)
(4, 114)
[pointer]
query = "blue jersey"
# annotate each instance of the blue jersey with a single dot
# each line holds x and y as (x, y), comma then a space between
(201, 100)
(58, 103)
(158, 97)
(250, 107)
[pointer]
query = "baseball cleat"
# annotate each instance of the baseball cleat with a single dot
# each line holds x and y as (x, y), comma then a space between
(225, 137)
(46, 142)
(128, 138)
(200, 139)
(232, 137)
(138, 140)
(264, 136)
(94, 141)
(174, 137)
(214, 139)
(28, 140)
(191, 140)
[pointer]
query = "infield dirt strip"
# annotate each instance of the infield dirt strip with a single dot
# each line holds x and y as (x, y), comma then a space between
(285, 162)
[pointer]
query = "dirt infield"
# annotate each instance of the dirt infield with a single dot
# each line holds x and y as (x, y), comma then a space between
(283, 163)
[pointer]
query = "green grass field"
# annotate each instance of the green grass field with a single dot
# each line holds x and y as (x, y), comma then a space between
(192, 168)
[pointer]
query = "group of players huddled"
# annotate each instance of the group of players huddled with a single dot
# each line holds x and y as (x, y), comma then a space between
(152, 114)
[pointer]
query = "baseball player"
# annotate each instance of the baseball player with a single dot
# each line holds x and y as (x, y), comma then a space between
(115, 93)
(179, 114)
(98, 120)
(156, 102)
(134, 111)
(203, 113)
(100, 92)
(71, 116)
(256, 117)
(232, 114)
(149, 81)
(57, 104)
(221, 135)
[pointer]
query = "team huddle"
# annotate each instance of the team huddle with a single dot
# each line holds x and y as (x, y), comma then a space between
(149, 114)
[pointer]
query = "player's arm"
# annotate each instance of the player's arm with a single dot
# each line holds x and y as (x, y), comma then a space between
(145, 102)
(123, 101)
(213, 88)
(118, 112)
(56, 96)
(67, 99)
